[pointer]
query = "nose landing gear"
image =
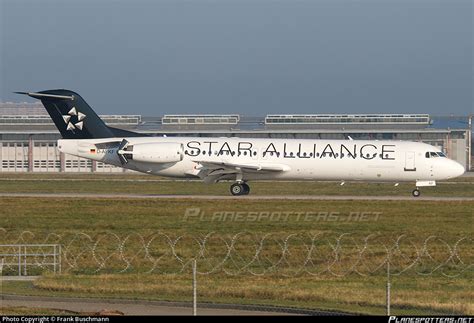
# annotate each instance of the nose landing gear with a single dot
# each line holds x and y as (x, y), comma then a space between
(239, 189)
(416, 192)
(422, 183)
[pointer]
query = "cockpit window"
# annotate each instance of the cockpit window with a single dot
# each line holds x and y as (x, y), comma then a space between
(433, 154)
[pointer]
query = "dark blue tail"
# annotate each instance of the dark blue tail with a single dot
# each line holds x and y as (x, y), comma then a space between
(74, 118)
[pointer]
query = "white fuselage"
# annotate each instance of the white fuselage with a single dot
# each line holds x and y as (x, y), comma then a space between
(298, 159)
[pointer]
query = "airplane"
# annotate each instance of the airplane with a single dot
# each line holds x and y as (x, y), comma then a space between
(242, 160)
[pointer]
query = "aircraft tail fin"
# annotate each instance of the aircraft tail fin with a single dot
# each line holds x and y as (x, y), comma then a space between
(73, 117)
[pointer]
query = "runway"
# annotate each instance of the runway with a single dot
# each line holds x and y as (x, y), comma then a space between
(167, 180)
(142, 307)
(235, 198)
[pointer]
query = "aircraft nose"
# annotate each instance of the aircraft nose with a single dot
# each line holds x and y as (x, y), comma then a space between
(457, 169)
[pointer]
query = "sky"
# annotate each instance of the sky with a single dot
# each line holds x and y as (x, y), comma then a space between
(247, 57)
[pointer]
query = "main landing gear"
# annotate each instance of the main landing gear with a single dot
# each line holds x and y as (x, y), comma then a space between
(416, 192)
(239, 189)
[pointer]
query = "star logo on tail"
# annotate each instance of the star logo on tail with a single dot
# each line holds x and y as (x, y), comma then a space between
(74, 119)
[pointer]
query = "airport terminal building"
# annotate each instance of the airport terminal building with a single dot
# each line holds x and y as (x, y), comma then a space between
(28, 136)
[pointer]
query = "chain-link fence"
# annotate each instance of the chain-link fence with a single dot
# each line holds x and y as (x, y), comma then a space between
(350, 273)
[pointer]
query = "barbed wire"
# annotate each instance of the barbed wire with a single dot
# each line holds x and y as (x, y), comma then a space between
(286, 254)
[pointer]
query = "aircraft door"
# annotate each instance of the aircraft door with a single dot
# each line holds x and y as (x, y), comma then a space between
(410, 161)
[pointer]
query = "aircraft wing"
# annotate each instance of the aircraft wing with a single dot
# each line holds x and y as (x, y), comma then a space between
(211, 172)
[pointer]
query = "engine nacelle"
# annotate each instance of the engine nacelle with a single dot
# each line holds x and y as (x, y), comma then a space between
(163, 152)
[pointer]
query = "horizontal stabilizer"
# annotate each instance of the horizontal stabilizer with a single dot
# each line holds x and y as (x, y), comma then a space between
(45, 95)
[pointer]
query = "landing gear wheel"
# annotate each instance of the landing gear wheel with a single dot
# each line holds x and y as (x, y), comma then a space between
(416, 193)
(237, 189)
(246, 188)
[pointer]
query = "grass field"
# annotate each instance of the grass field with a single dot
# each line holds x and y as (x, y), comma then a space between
(59, 220)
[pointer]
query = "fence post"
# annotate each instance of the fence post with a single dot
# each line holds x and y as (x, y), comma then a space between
(25, 273)
(19, 260)
(1, 281)
(54, 259)
(60, 258)
(194, 288)
(388, 288)
(1, 278)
